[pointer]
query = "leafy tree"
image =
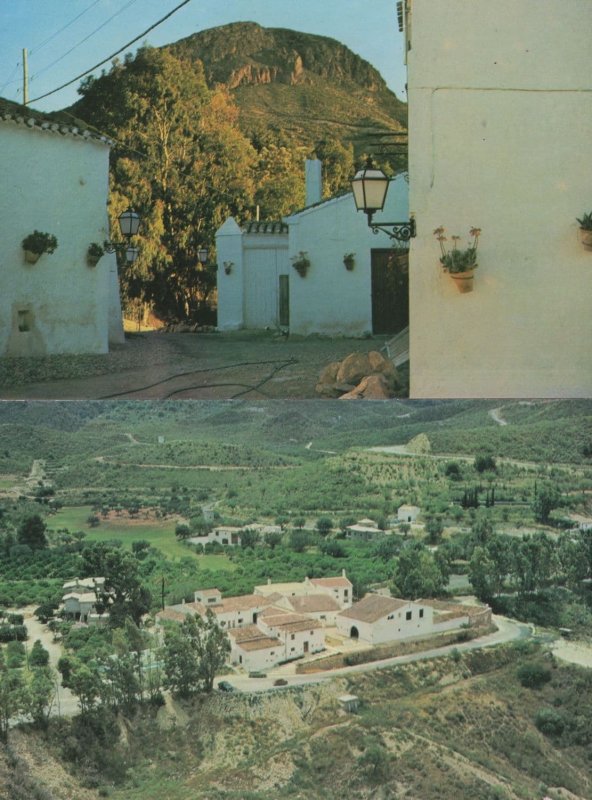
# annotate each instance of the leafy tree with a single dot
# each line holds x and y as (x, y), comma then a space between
(482, 574)
(298, 540)
(39, 657)
(481, 528)
(122, 593)
(324, 525)
(333, 549)
(12, 696)
(249, 537)
(31, 532)
(273, 539)
(485, 463)
(453, 471)
(434, 529)
(182, 530)
(546, 499)
(84, 681)
(417, 574)
(182, 162)
(193, 653)
(38, 694)
(533, 675)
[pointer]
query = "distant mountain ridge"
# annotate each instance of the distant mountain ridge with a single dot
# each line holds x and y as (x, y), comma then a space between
(311, 87)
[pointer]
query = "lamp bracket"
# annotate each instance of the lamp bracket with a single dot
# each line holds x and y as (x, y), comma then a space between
(401, 231)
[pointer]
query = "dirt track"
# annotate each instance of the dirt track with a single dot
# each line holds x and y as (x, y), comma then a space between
(184, 366)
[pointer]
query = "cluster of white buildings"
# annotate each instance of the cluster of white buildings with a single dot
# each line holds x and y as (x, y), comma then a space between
(229, 535)
(281, 622)
(80, 600)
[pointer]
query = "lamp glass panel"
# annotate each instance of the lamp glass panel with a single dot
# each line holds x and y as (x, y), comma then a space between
(129, 222)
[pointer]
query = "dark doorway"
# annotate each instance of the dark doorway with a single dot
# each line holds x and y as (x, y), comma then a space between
(353, 634)
(390, 290)
(284, 309)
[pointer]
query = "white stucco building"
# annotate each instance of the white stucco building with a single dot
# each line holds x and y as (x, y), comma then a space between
(408, 513)
(55, 180)
(258, 286)
(500, 126)
(80, 598)
(377, 619)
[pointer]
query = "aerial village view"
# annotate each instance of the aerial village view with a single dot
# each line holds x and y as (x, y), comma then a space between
(295, 400)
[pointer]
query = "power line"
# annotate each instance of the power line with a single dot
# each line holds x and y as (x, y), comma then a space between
(82, 41)
(67, 25)
(117, 52)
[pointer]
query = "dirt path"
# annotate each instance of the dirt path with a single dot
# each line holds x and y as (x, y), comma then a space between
(495, 414)
(255, 365)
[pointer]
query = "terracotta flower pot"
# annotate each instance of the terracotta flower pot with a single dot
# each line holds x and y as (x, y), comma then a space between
(463, 280)
(586, 238)
(31, 257)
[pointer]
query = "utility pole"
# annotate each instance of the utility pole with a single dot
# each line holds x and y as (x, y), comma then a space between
(25, 78)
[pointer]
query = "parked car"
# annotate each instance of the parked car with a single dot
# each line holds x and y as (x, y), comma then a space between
(224, 686)
(257, 674)
(280, 682)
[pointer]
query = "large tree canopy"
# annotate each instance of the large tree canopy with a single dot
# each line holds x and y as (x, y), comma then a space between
(181, 161)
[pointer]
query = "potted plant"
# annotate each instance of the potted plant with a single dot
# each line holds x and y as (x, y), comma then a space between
(228, 265)
(37, 243)
(586, 230)
(459, 264)
(94, 254)
(349, 259)
(301, 263)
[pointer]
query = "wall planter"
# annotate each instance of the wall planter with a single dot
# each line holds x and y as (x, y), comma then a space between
(36, 244)
(349, 260)
(301, 263)
(459, 264)
(463, 280)
(228, 265)
(586, 231)
(94, 254)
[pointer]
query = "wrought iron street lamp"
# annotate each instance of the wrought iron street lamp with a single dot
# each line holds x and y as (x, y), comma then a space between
(370, 187)
(202, 255)
(129, 224)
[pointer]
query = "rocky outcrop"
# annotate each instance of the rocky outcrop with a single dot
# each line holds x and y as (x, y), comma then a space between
(368, 376)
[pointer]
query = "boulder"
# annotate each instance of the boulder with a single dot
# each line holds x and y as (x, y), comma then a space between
(373, 387)
(353, 368)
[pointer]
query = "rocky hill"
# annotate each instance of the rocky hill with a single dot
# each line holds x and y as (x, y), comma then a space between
(310, 87)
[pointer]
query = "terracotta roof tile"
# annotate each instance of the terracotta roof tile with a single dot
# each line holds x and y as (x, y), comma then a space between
(372, 607)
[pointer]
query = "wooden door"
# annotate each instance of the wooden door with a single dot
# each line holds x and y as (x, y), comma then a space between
(390, 290)
(284, 302)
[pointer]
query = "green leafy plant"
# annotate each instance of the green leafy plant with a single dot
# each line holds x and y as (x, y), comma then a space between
(349, 259)
(39, 243)
(301, 263)
(585, 222)
(457, 260)
(94, 253)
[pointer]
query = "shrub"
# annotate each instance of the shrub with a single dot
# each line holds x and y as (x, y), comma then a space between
(549, 722)
(533, 675)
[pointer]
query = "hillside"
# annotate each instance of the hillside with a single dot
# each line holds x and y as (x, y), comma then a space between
(461, 727)
(312, 88)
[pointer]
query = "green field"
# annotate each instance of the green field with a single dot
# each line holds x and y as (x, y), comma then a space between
(160, 533)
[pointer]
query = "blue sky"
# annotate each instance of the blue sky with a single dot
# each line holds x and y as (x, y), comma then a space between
(368, 28)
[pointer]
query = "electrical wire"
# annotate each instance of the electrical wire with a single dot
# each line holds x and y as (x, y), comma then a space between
(117, 52)
(10, 77)
(63, 28)
(82, 41)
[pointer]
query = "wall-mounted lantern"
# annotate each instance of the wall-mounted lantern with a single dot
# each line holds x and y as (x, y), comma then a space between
(129, 224)
(370, 187)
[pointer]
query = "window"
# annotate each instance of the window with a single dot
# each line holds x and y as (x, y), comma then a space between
(24, 321)
(421, 613)
(293, 636)
(240, 620)
(345, 594)
(408, 615)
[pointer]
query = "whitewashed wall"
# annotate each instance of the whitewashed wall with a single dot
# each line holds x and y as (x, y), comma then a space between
(256, 659)
(56, 184)
(390, 630)
(248, 297)
(331, 300)
(500, 133)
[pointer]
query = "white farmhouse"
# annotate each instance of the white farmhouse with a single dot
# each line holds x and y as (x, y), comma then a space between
(406, 513)
(55, 180)
(254, 650)
(338, 587)
(80, 599)
(499, 138)
(258, 286)
(377, 619)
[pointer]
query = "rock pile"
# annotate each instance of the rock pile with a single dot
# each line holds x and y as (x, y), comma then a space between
(360, 376)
